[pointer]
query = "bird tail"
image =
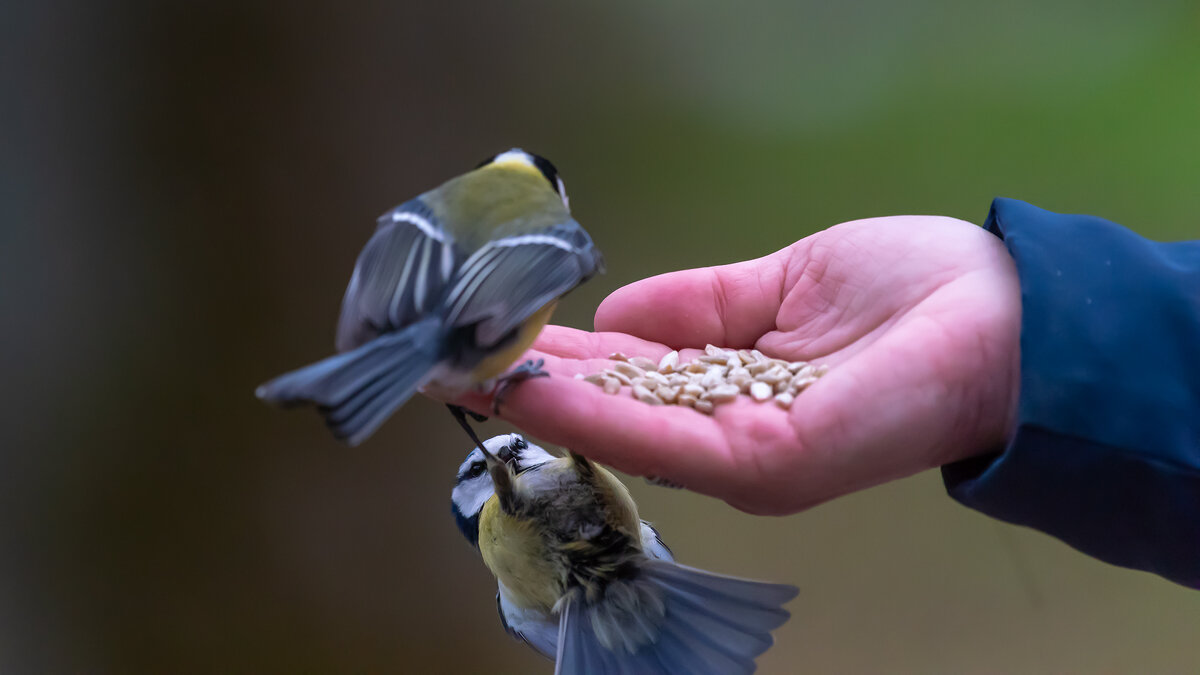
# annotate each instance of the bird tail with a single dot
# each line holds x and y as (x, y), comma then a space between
(675, 619)
(357, 390)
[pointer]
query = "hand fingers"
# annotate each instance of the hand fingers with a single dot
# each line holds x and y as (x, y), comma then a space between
(715, 454)
(571, 343)
(730, 306)
(620, 431)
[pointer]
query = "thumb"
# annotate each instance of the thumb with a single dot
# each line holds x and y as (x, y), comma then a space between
(729, 305)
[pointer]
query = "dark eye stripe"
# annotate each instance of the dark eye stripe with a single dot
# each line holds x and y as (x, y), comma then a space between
(547, 170)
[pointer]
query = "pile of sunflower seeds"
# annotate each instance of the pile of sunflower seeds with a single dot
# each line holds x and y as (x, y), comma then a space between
(719, 376)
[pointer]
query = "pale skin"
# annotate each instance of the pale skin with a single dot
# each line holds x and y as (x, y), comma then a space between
(918, 318)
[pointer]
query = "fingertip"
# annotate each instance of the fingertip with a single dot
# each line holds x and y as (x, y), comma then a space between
(620, 431)
(676, 309)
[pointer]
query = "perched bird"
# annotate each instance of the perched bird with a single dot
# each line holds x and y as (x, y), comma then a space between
(583, 579)
(451, 289)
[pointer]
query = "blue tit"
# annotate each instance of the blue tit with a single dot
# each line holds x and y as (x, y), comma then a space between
(584, 579)
(450, 290)
(473, 488)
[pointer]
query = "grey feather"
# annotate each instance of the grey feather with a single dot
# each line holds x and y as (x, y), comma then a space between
(540, 630)
(509, 279)
(713, 625)
(401, 273)
(357, 390)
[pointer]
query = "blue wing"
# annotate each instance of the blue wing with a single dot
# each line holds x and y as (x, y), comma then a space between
(508, 279)
(400, 277)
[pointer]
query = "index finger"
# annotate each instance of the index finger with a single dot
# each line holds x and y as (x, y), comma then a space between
(729, 305)
(669, 441)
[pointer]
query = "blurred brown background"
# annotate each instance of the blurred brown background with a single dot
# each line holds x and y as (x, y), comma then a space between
(184, 188)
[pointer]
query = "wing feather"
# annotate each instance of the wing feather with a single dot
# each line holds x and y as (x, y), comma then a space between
(404, 268)
(509, 279)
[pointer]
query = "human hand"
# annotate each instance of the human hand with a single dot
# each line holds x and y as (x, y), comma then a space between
(918, 318)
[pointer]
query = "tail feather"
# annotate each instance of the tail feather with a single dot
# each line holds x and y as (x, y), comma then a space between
(735, 632)
(712, 625)
(766, 595)
(580, 651)
(695, 651)
(357, 390)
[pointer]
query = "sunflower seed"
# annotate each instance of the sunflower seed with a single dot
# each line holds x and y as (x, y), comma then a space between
(705, 406)
(668, 362)
(620, 377)
(646, 396)
(712, 378)
(741, 380)
(803, 384)
(774, 376)
(761, 391)
(646, 383)
(643, 363)
(657, 378)
(618, 356)
(611, 386)
(758, 367)
(784, 400)
(629, 370)
(667, 394)
(723, 393)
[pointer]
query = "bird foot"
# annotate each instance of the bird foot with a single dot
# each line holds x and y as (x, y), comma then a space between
(526, 371)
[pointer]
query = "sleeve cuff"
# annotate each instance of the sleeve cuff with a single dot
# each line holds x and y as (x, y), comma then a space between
(1106, 452)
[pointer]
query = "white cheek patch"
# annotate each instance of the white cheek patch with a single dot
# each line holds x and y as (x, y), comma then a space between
(473, 494)
(562, 191)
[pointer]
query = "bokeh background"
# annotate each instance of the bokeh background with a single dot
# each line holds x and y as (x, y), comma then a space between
(184, 188)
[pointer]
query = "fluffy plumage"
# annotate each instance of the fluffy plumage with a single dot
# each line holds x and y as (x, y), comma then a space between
(568, 549)
(453, 286)
(473, 487)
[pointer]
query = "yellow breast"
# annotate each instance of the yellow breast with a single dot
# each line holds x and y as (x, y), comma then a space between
(499, 362)
(516, 553)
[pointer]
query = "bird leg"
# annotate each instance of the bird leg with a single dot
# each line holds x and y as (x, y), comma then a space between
(501, 472)
(526, 371)
(460, 414)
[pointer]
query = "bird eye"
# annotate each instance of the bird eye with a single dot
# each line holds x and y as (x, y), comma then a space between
(476, 470)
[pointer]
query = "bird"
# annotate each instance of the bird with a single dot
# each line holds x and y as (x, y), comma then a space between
(473, 488)
(450, 290)
(583, 580)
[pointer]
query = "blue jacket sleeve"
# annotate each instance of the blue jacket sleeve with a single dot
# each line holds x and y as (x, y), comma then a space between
(1106, 452)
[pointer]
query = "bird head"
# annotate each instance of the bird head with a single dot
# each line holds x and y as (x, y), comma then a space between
(518, 158)
(473, 484)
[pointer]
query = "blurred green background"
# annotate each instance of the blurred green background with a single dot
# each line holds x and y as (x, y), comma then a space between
(183, 191)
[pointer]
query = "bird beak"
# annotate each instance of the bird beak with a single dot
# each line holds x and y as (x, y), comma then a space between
(506, 455)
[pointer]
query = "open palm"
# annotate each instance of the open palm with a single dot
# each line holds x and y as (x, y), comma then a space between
(918, 318)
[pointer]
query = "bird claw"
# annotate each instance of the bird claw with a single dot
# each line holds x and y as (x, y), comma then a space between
(526, 371)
